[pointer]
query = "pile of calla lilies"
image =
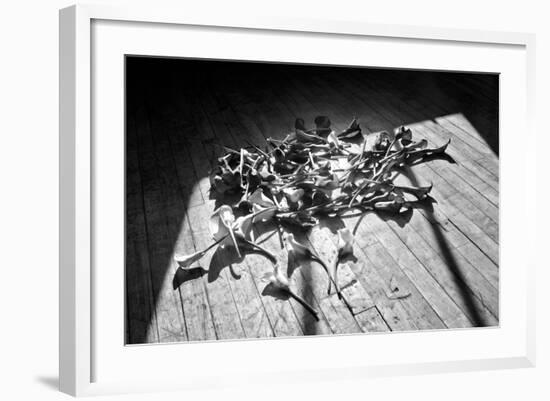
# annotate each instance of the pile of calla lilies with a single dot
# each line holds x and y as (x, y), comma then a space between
(310, 174)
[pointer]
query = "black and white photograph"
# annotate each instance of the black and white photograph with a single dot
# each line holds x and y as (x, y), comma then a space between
(269, 200)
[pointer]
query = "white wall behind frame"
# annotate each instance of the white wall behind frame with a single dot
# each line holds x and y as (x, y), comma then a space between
(28, 165)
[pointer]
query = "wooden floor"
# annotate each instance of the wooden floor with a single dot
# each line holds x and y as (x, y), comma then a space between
(445, 256)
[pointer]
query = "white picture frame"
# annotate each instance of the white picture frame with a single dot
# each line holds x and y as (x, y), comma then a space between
(510, 345)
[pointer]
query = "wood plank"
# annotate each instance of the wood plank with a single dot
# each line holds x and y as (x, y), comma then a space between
(445, 301)
(196, 309)
(482, 279)
(446, 272)
(341, 316)
(371, 321)
(140, 303)
(441, 96)
(169, 309)
(413, 108)
(416, 306)
(448, 172)
(322, 101)
(459, 126)
(490, 249)
(376, 286)
(356, 296)
(379, 105)
(456, 213)
(448, 198)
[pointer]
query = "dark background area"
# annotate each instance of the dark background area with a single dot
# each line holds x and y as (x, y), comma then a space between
(473, 94)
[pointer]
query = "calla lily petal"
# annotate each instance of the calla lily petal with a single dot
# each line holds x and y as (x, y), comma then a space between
(333, 139)
(221, 221)
(352, 131)
(258, 198)
(185, 261)
(296, 249)
(345, 242)
(277, 278)
(293, 194)
(221, 224)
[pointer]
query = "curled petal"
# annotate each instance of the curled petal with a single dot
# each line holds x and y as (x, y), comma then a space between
(221, 224)
(277, 278)
(403, 134)
(302, 137)
(328, 182)
(185, 261)
(322, 125)
(258, 198)
(300, 124)
(382, 142)
(293, 194)
(295, 248)
(333, 139)
(352, 131)
(419, 192)
(221, 220)
(243, 224)
(345, 242)
(394, 205)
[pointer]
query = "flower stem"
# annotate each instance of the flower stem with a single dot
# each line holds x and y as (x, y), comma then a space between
(331, 279)
(262, 250)
(304, 303)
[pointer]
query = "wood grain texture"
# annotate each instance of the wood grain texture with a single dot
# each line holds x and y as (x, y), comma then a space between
(443, 258)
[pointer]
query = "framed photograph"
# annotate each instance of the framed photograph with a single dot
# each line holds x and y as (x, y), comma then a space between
(294, 200)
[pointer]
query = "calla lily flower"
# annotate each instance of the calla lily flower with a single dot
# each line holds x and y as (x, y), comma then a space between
(329, 182)
(185, 261)
(333, 139)
(420, 192)
(345, 249)
(352, 131)
(322, 125)
(412, 157)
(300, 124)
(221, 224)
(394, 205)
(301, 252)
(382, 142)
(243, 224)
(277, 278)
(304, 137)
(280, 281)
(296, 249)
(403, 134)
(258, 198)
(293, 194)
(345, 242)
